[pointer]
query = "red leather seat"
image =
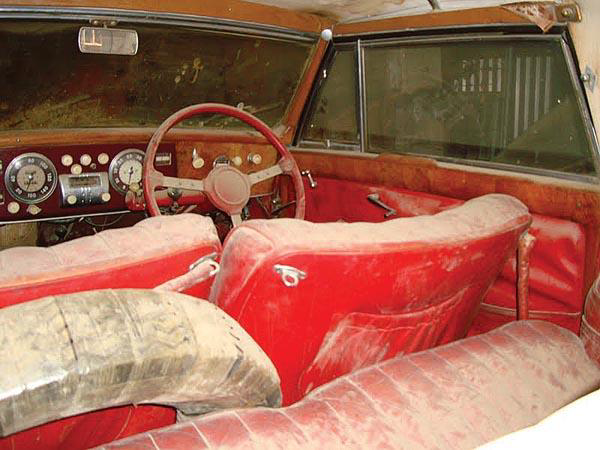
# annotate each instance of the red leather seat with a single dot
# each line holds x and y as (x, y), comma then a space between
(143, 256)
(457, 396)
(370, 290)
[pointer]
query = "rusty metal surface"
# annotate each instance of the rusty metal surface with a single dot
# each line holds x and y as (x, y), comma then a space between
(524, 249)
(545, 14)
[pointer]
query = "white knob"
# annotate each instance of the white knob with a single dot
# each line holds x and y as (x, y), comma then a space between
(71, 199)
(13, 207)
(85, 159)
(103, 158)
(237, 161)
(105, 197)
(66, 160)
(255, 158)
(33, 210)
(198, 163)
(76, 169)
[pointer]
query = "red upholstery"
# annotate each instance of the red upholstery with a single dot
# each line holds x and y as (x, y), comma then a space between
(457, 396)
(335, 200)
(557, 260)
(143, 256)
(371, 291)
(590, 326)
(555, 283)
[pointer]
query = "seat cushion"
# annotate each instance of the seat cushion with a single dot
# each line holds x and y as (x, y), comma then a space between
(458, 396)
(370, 291)
(142, 256)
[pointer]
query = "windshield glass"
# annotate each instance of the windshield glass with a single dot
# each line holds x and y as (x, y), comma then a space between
(46, 82)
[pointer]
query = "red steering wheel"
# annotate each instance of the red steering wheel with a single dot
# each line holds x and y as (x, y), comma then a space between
(225, 186)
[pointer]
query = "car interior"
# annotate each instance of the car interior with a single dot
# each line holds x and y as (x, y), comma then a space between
(290, 224)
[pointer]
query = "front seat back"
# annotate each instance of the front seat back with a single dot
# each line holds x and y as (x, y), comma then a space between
(145, 255)
(325, 299)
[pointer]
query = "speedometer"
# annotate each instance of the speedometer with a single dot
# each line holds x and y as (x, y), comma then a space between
(126, 169)
(30, 178)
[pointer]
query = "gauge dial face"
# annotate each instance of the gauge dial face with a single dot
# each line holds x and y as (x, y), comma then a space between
(126, 169)
(30, 178)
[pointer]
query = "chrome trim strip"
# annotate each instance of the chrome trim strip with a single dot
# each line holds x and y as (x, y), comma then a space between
(136, 16)
(45, 219)
(362, 100)
(583, 106)
(425, 30)
(460, 38)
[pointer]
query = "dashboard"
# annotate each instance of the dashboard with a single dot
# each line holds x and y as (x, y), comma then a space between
(64, 181)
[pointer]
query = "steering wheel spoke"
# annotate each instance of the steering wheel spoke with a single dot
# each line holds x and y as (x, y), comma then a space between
(182, 183)
(236, 219)
(265, 174)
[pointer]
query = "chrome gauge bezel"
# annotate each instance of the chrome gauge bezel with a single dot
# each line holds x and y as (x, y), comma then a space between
(13, 169)
(115, 164)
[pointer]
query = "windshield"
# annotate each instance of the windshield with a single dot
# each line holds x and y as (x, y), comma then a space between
(46, 82)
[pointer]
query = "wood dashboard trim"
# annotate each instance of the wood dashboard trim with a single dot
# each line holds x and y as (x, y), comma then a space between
(38, 138)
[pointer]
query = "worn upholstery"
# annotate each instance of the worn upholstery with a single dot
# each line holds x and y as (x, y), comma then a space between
(590, 325)
(142, 256)
(457, 396)
(371, 291)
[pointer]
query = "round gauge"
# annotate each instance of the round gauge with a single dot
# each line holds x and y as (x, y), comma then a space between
(30, 178)
(126, 169)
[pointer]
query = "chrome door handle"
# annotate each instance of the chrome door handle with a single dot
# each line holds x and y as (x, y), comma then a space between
(374, 198)
(311, 181)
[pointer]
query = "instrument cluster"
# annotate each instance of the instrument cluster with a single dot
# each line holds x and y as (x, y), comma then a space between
(72, 181)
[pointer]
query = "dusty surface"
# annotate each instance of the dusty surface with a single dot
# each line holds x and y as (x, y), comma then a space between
(61, 356)
(455, 396)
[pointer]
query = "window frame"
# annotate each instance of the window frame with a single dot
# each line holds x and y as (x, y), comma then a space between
(362, 45)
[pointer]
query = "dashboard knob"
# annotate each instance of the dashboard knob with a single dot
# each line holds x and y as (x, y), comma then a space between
(34, 210)
(85, 159)
(66, 160)
(254, 158)
(198, 162)
(103, 158)
(71, 199)
(76, 169)
(13, 207)
(105, 197)
(237, 161)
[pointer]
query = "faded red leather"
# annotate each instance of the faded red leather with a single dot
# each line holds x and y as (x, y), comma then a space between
(335, 200)
(143, 256)
(424, 278)
(590, 325)
(556, 279)
(557, 260)
(457, 396)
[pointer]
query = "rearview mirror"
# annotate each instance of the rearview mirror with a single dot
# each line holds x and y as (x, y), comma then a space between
(108, 41)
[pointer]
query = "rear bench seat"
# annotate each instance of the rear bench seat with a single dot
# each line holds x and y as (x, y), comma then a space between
(459, 395)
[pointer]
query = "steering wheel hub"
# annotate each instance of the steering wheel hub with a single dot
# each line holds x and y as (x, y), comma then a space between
(227, 188)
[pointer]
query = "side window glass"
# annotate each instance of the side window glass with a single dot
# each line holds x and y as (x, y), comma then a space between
(500, 101)
(332, 121)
